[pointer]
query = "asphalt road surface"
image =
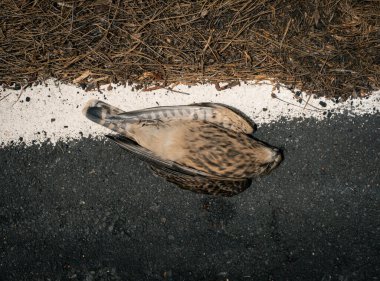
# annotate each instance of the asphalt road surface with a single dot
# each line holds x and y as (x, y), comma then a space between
(89, 211)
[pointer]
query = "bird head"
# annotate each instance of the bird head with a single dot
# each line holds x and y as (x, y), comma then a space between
(267, 157)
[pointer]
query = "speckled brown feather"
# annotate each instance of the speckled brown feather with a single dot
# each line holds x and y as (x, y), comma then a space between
(205, 148)
(221, 152)
(201, 184)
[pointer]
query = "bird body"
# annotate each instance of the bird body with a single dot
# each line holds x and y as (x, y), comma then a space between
(205, 148)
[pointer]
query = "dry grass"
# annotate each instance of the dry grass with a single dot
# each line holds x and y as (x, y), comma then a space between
(326, 47)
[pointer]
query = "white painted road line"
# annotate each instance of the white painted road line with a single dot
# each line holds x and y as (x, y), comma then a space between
(53, 111)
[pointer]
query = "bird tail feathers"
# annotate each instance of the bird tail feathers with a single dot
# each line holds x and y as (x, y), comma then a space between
(108, 116)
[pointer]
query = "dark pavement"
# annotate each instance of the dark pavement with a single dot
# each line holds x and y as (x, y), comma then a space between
(89, 211)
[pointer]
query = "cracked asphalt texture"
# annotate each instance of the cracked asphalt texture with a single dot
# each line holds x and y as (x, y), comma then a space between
(87, 210)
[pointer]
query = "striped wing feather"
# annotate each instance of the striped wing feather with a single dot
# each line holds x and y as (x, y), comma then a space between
(201, 184)
(184, 177)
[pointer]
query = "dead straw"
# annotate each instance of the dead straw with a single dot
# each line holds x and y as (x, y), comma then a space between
(329, 48)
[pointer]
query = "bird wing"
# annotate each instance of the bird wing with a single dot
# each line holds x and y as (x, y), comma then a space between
(148, 156)
(232, 118)
(214, 113)
(201, 184)
(184, 177)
